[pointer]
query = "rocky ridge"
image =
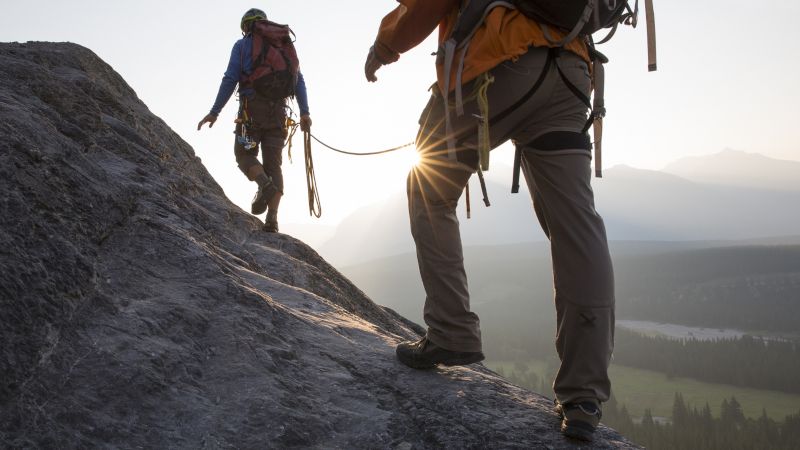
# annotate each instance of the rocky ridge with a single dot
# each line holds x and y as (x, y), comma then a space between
(140, 308)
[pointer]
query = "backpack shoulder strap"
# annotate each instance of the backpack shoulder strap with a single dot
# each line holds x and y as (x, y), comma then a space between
(471, 17)
(586, 15)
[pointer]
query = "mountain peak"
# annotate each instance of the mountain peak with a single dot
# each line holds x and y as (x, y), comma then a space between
(739, 168)
(141, 308)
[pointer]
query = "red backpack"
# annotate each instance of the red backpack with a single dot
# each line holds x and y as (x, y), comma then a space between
(275, 63)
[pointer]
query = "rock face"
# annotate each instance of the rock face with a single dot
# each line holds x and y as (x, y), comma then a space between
(140, 308)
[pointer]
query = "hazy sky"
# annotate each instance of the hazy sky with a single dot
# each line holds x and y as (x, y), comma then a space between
(727, 79)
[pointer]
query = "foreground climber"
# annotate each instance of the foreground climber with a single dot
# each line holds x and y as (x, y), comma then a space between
(532, 94)
(265, 66)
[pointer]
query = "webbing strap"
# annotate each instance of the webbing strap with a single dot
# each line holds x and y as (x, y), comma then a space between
(581, 96)
(483, 191)
(584, 19)
(469, 207)
(484, 141)
(449, 55)
(597, 109)
(520, 102)
(651, 35)
(483, 188)
(459, 95)
(599, 82)
(598, 112)
(517, 164)
(597, 128)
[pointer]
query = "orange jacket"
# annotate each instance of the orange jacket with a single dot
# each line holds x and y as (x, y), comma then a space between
(506, 34)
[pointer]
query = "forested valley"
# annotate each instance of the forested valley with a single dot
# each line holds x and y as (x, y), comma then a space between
(691, 428)
(747, 362)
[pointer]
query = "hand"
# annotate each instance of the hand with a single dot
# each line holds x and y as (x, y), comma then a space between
(305, 123)
(372, 65)
(209, 118)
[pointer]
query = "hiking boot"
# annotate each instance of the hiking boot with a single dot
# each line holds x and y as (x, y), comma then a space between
(271, 226)
(424, 354)
(266, 190)
(579, 419)
(271, 222)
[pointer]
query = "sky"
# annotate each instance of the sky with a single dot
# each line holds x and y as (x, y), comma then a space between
(727, 78)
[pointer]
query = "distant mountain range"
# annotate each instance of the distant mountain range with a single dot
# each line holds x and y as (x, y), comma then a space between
(747, 285)
(730, 195)
(738, 168)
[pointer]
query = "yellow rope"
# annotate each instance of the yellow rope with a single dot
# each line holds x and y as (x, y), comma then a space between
(484, 143)
(291, 127)
(314, 204)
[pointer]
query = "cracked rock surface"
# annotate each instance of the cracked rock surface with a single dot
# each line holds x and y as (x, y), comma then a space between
(139, 308)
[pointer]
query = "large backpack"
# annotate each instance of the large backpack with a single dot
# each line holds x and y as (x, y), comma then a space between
(275, 63)
(584, 17)
(575, 18)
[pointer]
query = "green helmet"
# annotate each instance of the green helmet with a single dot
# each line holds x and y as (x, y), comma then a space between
(252, 15)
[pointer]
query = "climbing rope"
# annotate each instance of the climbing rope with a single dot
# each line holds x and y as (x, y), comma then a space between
(291, 128)
(314, 204)
(362, 154)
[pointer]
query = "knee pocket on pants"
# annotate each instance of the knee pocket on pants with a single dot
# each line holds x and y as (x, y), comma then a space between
(590, 318)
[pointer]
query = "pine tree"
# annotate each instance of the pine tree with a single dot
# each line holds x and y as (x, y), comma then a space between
(680, 413)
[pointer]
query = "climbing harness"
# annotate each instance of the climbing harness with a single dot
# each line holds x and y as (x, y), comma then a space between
(243, 119)
(594, 16)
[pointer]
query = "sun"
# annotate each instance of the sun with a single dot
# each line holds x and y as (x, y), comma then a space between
(410, 157)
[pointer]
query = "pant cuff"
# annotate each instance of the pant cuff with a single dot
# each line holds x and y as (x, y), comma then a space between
(453, 346)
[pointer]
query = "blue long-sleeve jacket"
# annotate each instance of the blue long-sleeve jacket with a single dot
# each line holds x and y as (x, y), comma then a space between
(237, 66)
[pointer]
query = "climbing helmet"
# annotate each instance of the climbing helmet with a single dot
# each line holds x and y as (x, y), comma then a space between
(250, 17)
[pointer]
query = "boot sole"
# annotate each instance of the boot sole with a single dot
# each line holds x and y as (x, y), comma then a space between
(580, 431)
(260, 207)
(448, 363)
(463, 361)
(577, 433)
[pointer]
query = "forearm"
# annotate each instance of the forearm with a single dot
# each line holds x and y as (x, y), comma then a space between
(302, 94)
(226, 88)
(408, 25)
(229, 80)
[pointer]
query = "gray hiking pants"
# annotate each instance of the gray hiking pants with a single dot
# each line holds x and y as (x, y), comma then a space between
(546, 125)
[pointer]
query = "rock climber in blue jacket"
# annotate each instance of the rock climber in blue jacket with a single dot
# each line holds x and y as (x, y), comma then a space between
(267, 76)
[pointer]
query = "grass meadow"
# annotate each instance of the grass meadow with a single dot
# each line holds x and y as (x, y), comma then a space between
(639, 389)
